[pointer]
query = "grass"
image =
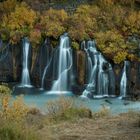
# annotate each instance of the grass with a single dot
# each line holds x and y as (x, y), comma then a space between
(63, 109)
(16, 131)
(65, 120)
(13, 115)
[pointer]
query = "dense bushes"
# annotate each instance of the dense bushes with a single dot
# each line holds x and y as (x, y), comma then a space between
(53, 22)
(19, 122)
(113, 45)
(13, 113)
(63, 109)
(110, 22)
(20, 22)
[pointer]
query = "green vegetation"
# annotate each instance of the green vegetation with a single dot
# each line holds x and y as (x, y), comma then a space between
(4, 90)
(64, 109)
(110, 22)
(13, 113)
(19, 122)
(53, 23)
(65, 119)
(16, 117)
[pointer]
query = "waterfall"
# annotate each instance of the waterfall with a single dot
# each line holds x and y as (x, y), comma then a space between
(99, 73)
(89, 65)
(25, 81)
(49, 60)
(111, 82)
(65, 63)
(124, 81)
(44, 74)
(103, 79)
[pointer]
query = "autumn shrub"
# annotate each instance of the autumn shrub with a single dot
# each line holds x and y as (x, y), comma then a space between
(7, 6)
(125, 2)
(113, 2)
(19, 22)
(13, 113)
(14, 110)
(66, 109)
(4, 90)
(82, 25)
(114, 46)
(132, 23)
(103, 112)
(109, 22)
(16, 131)
(35, 37)
(53, 22)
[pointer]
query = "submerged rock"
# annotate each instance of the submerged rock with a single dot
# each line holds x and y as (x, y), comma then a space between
(108, 101)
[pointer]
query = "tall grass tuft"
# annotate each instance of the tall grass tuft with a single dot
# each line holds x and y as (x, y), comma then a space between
(65, 108)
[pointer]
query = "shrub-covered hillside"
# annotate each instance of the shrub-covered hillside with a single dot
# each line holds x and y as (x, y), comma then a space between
(115, 25)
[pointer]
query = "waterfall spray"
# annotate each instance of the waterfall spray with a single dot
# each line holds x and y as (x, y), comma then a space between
(25, 81)
(65, 62)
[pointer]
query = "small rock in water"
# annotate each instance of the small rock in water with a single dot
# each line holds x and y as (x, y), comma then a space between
(108, 101)
(126, 103)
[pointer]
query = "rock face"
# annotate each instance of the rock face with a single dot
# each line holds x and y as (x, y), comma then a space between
(17, 61)
(138, 1)
(11, 68)
(81, 67)
(69, 5)
(6, 68)
(42, 59)
(10, 63)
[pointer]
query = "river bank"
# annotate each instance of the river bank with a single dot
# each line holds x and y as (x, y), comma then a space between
(123, 126)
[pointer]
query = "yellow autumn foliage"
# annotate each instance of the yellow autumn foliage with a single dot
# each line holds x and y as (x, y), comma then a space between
(35, 36)
(20, 21)
(11, 109)
(15, 111)
(52, 22)
(7, 6)
(82, 24)
(110, 22)
(113, 45)
(132, 23)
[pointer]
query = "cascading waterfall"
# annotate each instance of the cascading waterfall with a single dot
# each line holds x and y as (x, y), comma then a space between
(49, 60)
(103, 79)
(65, 63)
(25, 81)
(44, 73)
(89, 61)
(100, 73)
(92, 69)
(124, 81)
(111, 82)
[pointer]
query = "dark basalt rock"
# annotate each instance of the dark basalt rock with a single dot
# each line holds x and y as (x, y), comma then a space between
(10, 62)
(42, 59)
(109, 102)
(105, 66)
(11, 68)
(135, 95)
(77, 89)
(126, 103)
(81, 67)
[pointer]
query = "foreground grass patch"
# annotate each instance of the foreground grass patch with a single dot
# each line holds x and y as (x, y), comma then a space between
(66, 109)
(16, 131)
(13, 113)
